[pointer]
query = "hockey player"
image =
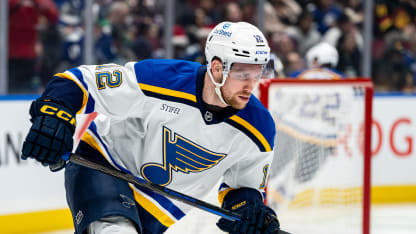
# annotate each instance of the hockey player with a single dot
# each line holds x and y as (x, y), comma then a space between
(322, 60)
(175, 123)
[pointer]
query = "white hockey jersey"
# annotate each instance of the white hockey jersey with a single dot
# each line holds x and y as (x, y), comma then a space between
(153, 124)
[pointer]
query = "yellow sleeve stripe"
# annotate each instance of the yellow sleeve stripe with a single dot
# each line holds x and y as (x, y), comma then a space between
(85, 98)
(222, 194)
(161, 216)
(253, 130)
(167, 92)
(87, 138)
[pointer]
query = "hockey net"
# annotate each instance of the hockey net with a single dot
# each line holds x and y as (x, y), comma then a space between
(320, 176)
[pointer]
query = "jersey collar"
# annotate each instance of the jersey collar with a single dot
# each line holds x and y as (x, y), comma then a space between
(210, 115)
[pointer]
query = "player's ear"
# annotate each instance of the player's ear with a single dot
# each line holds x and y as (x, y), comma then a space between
(216, 69)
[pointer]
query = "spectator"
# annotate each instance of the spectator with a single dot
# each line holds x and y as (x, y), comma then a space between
(354, 10)
(294, 62)
(272, 23)
(116, 36)
(248, 8)
(325, 12)
(184, 13)
(350, 55)
(212, 14)
(141, 45)
(51, 53)
(23, 38)
(282, 45)
(344, 25)
(287, 11)
(410, 56)
(232, 12)
(131, 30)
(395, 75)
(72, 34)
(305, 32)
(180, 41)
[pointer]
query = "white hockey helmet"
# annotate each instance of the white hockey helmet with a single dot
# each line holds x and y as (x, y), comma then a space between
(239, 42)
(322, 53)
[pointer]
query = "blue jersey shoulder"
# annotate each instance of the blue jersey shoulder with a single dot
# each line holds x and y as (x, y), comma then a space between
(178, 75)
(256, 122)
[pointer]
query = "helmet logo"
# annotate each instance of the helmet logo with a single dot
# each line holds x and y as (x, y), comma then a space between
(226, 25)
(258, 38)
(222, 32)
(261, 52)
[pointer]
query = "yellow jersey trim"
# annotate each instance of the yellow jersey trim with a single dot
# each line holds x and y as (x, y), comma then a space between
(168, 92)
(253, 130)
(150, 207)
(87, 138)
(222, 194)
(85, 97)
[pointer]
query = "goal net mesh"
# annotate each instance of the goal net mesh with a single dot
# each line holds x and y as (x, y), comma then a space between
(316, 179)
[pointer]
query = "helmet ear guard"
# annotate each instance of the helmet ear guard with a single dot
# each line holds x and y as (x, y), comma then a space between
(235, 43)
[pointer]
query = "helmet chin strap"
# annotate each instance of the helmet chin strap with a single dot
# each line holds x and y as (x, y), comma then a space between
(218, 85)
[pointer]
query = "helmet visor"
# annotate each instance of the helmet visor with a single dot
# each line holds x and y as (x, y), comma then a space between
(243, 71)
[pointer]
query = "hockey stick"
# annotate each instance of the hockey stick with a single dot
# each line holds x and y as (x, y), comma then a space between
(227, 214)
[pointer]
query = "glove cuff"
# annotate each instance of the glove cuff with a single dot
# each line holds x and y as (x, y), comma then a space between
(236, 198)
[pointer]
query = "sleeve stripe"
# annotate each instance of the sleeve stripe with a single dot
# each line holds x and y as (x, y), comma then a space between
(167, 92)
(89, 139)
(78, 74)
(222, 194)
(90, 105)
(152, 208)
(163, 202)
(84, 91)
(252, 130)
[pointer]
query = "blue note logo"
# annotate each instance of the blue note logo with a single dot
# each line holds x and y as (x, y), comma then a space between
(179, 154)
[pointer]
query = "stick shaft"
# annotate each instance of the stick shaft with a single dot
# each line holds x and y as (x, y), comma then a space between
(77, 159)
(227, 214)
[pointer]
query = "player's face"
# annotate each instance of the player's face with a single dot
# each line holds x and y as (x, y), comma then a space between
(241, 81)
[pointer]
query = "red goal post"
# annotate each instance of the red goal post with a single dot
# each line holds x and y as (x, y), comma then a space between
(272, 89)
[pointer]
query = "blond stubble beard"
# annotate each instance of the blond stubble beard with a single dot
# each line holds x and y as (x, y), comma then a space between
(234, 102)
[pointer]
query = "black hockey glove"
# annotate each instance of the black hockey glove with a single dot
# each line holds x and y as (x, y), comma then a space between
(257, 217)
(50, 137)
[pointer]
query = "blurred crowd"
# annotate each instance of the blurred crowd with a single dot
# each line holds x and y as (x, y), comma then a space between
(47, 36)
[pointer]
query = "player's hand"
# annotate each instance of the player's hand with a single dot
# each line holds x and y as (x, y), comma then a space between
(257, 218)
(50, 137)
